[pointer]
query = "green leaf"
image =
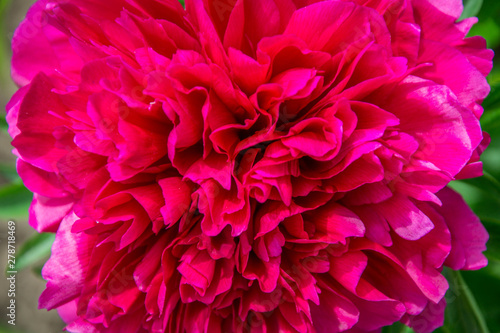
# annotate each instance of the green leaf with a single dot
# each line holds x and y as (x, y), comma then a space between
(493, 246)
(484, 286)
(3, 6)
(486, 183)
(37, 270)
(4, 45)
(492, 102)
(471, 8)
(3, 123)
(9, 173)
(397, 328)
(8, 329)
(182, 3)
(15, 201)
(488, 28)
(491, 156)
(34, 250)
(462, 311)
(489, 23)
(481, 194)
(490, 121)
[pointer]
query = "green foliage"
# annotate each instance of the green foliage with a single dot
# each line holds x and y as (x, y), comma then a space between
(471, 8)
(8, 329)
(489, 20)
(3, 123)
(484, 285)
(492, 102)
(463, 314)
(8, 173)
(4, 45)
(34, 250)
(15, 201)
(397, 328)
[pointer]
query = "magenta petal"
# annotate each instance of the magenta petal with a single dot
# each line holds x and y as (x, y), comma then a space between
(197, 269)
(47, 213)
(40, 181)
(80, 326)
(249, 166)
(214, 166)
(67, 312)
(318, 17)
(348, 269)
(334, 314)
(405, 218)
(177, 199)
(430, 319)
(36, 143)
(336, 223)
(242, 65)
(463, 133)
(468, 235)
(67, 267)
(34, 35)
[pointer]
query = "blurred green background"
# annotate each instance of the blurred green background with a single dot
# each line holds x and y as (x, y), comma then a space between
(473, 298)
(14, 204)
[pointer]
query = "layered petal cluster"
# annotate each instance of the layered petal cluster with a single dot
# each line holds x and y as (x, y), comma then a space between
(249, 165)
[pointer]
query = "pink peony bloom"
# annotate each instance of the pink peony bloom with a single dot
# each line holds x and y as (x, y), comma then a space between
(250, 165)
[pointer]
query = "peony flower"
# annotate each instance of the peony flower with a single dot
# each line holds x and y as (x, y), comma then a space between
(250, 165)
